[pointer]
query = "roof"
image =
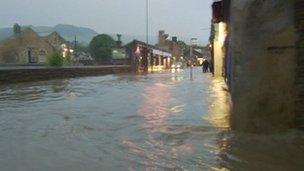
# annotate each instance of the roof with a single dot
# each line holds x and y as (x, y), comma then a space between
(145, 44)
(55, 34)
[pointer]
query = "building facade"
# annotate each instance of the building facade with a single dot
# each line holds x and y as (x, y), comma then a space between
(169, 45)
(145, 57)
(27, 47)
(261, 59)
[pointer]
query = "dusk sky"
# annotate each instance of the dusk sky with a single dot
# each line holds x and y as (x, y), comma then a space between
(183, 18)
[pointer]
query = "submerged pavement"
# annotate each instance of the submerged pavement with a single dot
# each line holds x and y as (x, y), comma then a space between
(160, 121)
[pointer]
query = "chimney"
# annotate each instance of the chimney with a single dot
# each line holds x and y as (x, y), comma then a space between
(174, 39)
(118, 42)
(161, 32)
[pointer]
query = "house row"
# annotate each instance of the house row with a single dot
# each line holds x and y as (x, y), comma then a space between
(26, 47)
(145, 57)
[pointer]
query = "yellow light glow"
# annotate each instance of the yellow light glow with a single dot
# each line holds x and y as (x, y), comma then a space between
(137, 51)
(222, 33)
(219, 111)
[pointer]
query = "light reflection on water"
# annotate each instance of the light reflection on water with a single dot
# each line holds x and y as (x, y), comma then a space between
(160, 121)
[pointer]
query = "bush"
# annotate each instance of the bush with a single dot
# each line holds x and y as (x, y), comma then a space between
(68, 59)
(56, 59)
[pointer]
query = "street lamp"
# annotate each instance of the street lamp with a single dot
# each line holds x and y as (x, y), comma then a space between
(147, 35)
(147, 22)
(193, 42)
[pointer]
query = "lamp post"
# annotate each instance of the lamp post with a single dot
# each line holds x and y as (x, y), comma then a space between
(193, 42)
(147, 36)
(147, 22)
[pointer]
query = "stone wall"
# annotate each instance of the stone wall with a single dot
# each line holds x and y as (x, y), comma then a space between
(263, 57)
(299, 18)
(56, 40)
(28, 74)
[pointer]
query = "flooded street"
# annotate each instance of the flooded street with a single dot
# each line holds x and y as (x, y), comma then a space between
(160, 121)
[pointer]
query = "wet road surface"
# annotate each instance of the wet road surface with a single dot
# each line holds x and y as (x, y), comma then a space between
(160, 121)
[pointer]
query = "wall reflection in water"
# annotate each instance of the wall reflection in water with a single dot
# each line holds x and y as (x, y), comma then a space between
(176, 75)
(219, 110)
(238, 150)
(24, 93)
(155, 111)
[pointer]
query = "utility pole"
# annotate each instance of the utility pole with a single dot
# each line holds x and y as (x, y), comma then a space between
(75, 43)
(191, 67)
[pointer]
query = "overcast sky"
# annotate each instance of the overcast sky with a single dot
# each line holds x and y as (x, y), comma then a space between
(183, 18)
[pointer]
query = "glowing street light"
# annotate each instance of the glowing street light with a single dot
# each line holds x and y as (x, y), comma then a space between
(137, 51)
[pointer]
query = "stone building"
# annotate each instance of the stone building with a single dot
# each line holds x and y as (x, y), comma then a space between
(60, 44)
(56, 40)
(262, 62)
(145, 57)
(169, 45)
(27, 47)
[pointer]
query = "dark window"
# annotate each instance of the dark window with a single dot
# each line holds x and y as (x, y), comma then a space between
(157, 60)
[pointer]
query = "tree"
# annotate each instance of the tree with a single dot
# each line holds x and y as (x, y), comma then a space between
(17, 29)
(55, 59)
(101, 48)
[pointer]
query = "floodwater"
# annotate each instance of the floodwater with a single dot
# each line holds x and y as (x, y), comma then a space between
(160, 121)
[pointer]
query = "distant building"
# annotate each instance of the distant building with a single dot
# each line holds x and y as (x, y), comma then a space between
(199, 57)
(56, 40)
(23, 48)
(169, 45)
(82, 58)
(146, 57)
(27, 47)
